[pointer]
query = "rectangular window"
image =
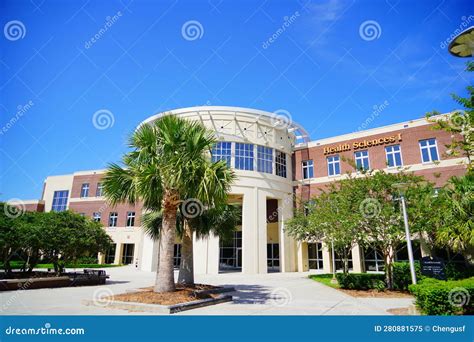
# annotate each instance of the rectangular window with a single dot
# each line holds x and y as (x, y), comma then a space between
(60, 200)
(429, 150)
(85, 190)
(100, 190)
(280, 164)
(131, 219)
(362, 160)
(334, 167)
(96, 217)
(113, 219)
(244, 156)
(315, 256)
(222, 151)
(128, 252)
(264, 159)
(177, 255)
(394, 156)
(110, 254)
(308, 171)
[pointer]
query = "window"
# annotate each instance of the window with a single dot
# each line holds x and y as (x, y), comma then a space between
(315, 256)
(130, 219)
(280, 164)
(85, 190)
(60, 200)
(333, 166)
(100, 190)
(113, 219)
(222, 151)
(110, 254)
(394, 156)
(273, 257)
(264, 159)
(429, 150)
(127, 255)
(96, 217)
(177, 255)
(362, 160)
(230, 252)
(308, 171)
(373, 259)
(244, 156)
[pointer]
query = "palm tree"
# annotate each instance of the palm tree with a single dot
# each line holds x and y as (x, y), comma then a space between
(220, 221)
(167, 163)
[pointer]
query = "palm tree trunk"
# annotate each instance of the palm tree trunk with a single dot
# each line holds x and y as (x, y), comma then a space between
(165, 273)
(186, 271)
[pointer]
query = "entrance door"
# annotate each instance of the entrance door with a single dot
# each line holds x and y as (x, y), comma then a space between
(127, 254)
(273, 257)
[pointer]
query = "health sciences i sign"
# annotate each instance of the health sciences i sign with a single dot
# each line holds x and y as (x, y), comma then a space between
(363, 144)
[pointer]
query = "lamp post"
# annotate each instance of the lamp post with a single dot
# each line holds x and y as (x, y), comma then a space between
(401, 187)
(463, 44)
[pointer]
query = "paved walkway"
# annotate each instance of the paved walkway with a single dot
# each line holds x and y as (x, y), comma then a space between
(263, 294)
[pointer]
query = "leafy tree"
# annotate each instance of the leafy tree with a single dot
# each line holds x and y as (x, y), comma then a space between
(460, 124)
(168, 164)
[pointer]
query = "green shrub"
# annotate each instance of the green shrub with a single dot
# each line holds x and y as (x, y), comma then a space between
(402, 275)
(456, 271)
(361, 281)
(438, 297)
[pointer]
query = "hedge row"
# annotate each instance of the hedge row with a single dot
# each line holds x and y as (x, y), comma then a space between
(438, 297)
(402, 275)
(361, 281)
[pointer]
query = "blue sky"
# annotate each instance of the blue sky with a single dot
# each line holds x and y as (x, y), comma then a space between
(329, 64)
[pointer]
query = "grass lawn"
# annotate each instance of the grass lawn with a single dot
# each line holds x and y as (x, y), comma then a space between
(19, 264)
(324, 279)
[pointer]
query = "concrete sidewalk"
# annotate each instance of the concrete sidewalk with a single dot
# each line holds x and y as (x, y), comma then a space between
(261, 294)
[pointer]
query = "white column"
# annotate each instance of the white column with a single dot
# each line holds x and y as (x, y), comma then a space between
(206, 254)
(254, 232)
(327, 258)
(149, 254)
(302, 256)
(288, 257)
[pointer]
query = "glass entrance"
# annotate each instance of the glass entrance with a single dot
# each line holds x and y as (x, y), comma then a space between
(273, 257)
(315, 256)
(230, 257)
(110, 254)
(127, 253)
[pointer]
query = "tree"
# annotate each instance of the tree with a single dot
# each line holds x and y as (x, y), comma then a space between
(66, 236)
(168, 164)
(458, 233)
(460, 124)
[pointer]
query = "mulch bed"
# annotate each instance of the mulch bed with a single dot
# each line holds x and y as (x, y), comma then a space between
(376, 294)
(183, 294)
